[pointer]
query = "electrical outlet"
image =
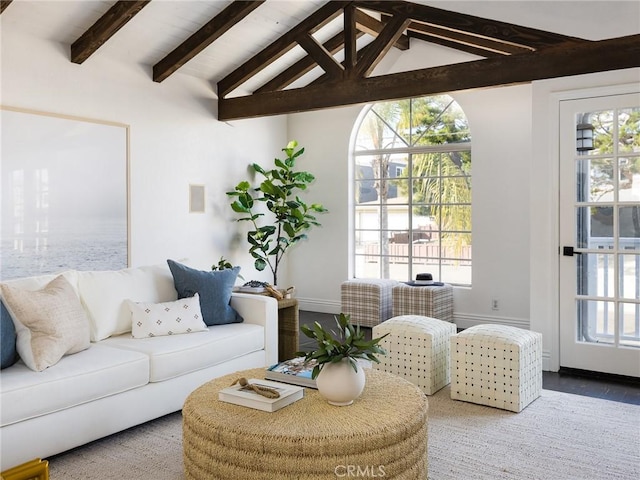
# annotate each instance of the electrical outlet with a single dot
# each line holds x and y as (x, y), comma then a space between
(495, 304)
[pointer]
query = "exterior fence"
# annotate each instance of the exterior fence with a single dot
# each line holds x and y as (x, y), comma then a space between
(424, 253)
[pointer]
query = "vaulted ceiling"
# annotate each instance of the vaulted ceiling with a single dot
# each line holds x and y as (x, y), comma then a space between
(292, 56)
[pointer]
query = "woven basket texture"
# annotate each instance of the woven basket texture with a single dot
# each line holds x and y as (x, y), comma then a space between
(385, 428)
(496, 365)
(417, 349)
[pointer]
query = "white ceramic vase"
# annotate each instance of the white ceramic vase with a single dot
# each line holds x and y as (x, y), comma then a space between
(339, 384)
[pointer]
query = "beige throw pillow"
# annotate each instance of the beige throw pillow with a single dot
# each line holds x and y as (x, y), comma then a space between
(50, 322)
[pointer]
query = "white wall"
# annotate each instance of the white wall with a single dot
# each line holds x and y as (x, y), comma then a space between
(500, 122)
(175, 140)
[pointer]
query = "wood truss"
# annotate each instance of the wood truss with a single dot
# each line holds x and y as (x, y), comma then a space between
(509, 54)
(512, 54)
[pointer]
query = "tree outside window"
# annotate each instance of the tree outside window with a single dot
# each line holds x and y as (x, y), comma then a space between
(413, 191)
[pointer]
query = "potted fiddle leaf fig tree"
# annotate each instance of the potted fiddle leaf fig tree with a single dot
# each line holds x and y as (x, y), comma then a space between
(287, 217)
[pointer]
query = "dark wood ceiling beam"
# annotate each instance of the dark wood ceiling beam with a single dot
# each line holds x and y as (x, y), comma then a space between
(360, 54)
(463, 39)
(204, 37)
(552, 62)
(321, 56)
(4, 4)
(373, 27)
(302, 66)
(106, 27)
(480, 52)
(350, 33)
(275, 50)
(468, 23)
(380, 46)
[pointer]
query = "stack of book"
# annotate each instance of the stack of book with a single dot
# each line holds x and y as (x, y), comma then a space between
(294, 371)
(238, 395)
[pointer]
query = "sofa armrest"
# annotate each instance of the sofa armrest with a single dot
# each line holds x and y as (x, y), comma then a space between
(260, 310)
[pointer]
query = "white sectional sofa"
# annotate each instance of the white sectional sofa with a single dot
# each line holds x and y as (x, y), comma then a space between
(121, 381)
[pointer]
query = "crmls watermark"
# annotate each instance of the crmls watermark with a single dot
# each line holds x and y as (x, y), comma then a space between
(359, 471)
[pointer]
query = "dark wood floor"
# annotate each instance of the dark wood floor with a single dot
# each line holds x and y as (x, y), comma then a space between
(624, 390)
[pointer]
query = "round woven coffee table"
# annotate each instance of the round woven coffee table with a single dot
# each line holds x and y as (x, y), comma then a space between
(382, 434)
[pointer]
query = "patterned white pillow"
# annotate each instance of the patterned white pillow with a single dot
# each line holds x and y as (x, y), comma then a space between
(168, 318)
(50, 322)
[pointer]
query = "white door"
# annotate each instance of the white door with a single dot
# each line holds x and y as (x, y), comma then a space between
(600, 234)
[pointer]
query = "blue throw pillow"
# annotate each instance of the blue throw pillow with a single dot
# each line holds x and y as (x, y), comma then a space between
(214, 289)
(8, 354)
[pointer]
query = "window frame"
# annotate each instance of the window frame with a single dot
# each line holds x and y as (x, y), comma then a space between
(356, 231)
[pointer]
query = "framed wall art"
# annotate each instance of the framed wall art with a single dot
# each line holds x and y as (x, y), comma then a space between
(65, 194)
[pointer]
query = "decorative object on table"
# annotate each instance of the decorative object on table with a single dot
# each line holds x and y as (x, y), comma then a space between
(290, 216)
(257, 388)
(339, 377)
(424, 280)
(253, 286)
(296, 371)
(248, 397)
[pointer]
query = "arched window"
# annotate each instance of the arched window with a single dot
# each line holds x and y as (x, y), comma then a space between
(412, 186)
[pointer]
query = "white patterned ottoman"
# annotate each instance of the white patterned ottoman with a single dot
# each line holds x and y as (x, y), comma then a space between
(368, 301)
(417, 349)
(429, 301)
(496, 365)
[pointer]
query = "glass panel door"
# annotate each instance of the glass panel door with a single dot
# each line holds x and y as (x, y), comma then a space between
(600, 234)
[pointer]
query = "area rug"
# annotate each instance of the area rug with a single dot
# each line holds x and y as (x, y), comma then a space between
(559, 436)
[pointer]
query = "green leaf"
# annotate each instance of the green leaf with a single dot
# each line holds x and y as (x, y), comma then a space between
(260, 264)
(243, 186)
(258, 169)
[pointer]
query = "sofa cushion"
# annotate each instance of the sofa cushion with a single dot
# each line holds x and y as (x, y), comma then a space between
(95, 373)
(104, 295)
(214, 288)
(180, 354)
(8, 352)
(50, 322)
(167, 318)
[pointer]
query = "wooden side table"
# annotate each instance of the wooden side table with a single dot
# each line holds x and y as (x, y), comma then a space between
(288, 328)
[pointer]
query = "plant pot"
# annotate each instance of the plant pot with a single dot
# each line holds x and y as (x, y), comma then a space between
(339, 384)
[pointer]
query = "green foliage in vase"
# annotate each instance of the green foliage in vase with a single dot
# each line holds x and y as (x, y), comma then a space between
(271, 236)
(349, 343)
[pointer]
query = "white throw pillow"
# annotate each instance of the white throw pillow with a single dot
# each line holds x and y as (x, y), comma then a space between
(168, 318)
(50, 322)
(104, 295)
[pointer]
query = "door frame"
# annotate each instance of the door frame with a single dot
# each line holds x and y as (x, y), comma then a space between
(544, 314)
(601, 357)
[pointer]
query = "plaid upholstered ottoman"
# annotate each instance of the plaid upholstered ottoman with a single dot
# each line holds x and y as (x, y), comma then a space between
(417, 349)
(428, 301)
(496, 365)
(367, 301)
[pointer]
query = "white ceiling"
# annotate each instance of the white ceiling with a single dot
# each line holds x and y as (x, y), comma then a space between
(164, 24)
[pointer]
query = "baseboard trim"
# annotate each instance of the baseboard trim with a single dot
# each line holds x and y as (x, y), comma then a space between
(466, 320)
(320, 306)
